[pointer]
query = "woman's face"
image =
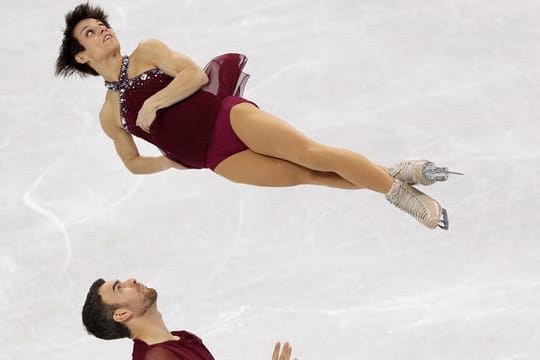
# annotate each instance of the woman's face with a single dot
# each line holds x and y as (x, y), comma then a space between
(98, 40)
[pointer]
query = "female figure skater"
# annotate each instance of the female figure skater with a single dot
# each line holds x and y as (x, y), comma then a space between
(198, 120)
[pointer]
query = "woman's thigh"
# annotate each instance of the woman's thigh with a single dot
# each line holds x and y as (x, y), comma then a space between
(249, 167)
(267, 134)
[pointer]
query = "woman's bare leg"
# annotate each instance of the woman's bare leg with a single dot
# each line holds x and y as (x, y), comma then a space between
(248, 167)
(266, 134)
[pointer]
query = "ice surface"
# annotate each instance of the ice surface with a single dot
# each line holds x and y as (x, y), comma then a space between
(340, 274)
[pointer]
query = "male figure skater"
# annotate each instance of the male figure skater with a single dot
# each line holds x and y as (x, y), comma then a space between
(117, 309)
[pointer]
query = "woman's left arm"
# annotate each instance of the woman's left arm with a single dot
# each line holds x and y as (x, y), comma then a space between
(188, 78)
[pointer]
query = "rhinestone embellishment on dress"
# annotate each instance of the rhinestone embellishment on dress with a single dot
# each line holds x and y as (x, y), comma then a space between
(124, 84)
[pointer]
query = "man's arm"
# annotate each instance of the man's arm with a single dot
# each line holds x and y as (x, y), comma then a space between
(282, 354)
(159, 353)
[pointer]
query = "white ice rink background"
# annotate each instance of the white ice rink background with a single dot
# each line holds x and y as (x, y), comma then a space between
(341, 274)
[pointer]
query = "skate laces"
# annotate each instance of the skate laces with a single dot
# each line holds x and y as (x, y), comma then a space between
(405, 169)
(404, 198)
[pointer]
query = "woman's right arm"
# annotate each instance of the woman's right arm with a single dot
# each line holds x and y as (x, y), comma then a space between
(127, 149)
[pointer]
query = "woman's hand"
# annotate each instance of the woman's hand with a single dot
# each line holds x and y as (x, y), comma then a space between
(146, 116)
(282, 354)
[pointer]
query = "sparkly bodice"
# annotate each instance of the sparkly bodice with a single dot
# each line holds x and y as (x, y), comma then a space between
(125, 83)
(184, 130)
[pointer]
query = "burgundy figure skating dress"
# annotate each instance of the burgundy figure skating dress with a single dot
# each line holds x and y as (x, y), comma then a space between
(195, 132)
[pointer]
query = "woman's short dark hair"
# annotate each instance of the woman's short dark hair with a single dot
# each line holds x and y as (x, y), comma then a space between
(97, 316)
(66, 65)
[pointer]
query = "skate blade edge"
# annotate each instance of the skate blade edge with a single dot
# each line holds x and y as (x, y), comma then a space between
(445, 225)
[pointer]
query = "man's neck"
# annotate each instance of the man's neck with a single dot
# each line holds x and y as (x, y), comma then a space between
(151, 329)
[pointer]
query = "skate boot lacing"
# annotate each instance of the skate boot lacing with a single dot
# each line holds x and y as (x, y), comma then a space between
(402, 197)
(405, 170)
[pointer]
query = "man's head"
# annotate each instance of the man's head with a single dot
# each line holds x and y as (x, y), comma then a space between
(110, 306)
(87, 37)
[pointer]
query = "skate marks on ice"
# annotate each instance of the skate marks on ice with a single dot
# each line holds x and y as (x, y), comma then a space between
(323, 268)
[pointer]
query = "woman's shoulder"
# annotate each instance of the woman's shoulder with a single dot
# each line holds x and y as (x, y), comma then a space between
(108, 108)
(110, 96)
(150, 43)
(147, 49)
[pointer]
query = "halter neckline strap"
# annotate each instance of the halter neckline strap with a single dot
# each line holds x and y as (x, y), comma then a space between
(121, 83)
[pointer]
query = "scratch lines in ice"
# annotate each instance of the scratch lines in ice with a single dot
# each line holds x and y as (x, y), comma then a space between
(33, 204)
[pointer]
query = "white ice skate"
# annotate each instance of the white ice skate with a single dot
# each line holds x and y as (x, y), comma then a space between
(417, 204)
(422, 172)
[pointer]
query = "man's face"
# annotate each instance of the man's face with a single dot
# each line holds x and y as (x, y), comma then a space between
(130, 295)
(96, 38)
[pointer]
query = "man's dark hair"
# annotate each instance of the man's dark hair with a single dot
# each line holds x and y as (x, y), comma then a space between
(66, 65)
(97, 316)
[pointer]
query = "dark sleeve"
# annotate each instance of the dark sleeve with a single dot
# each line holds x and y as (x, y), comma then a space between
(159, 353)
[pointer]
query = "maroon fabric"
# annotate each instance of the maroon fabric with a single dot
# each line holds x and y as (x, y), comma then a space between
(224, 140)
(184, 131)
(189, 347)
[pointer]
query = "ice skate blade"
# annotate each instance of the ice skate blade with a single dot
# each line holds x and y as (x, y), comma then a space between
(435, 173)
(444, 224)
